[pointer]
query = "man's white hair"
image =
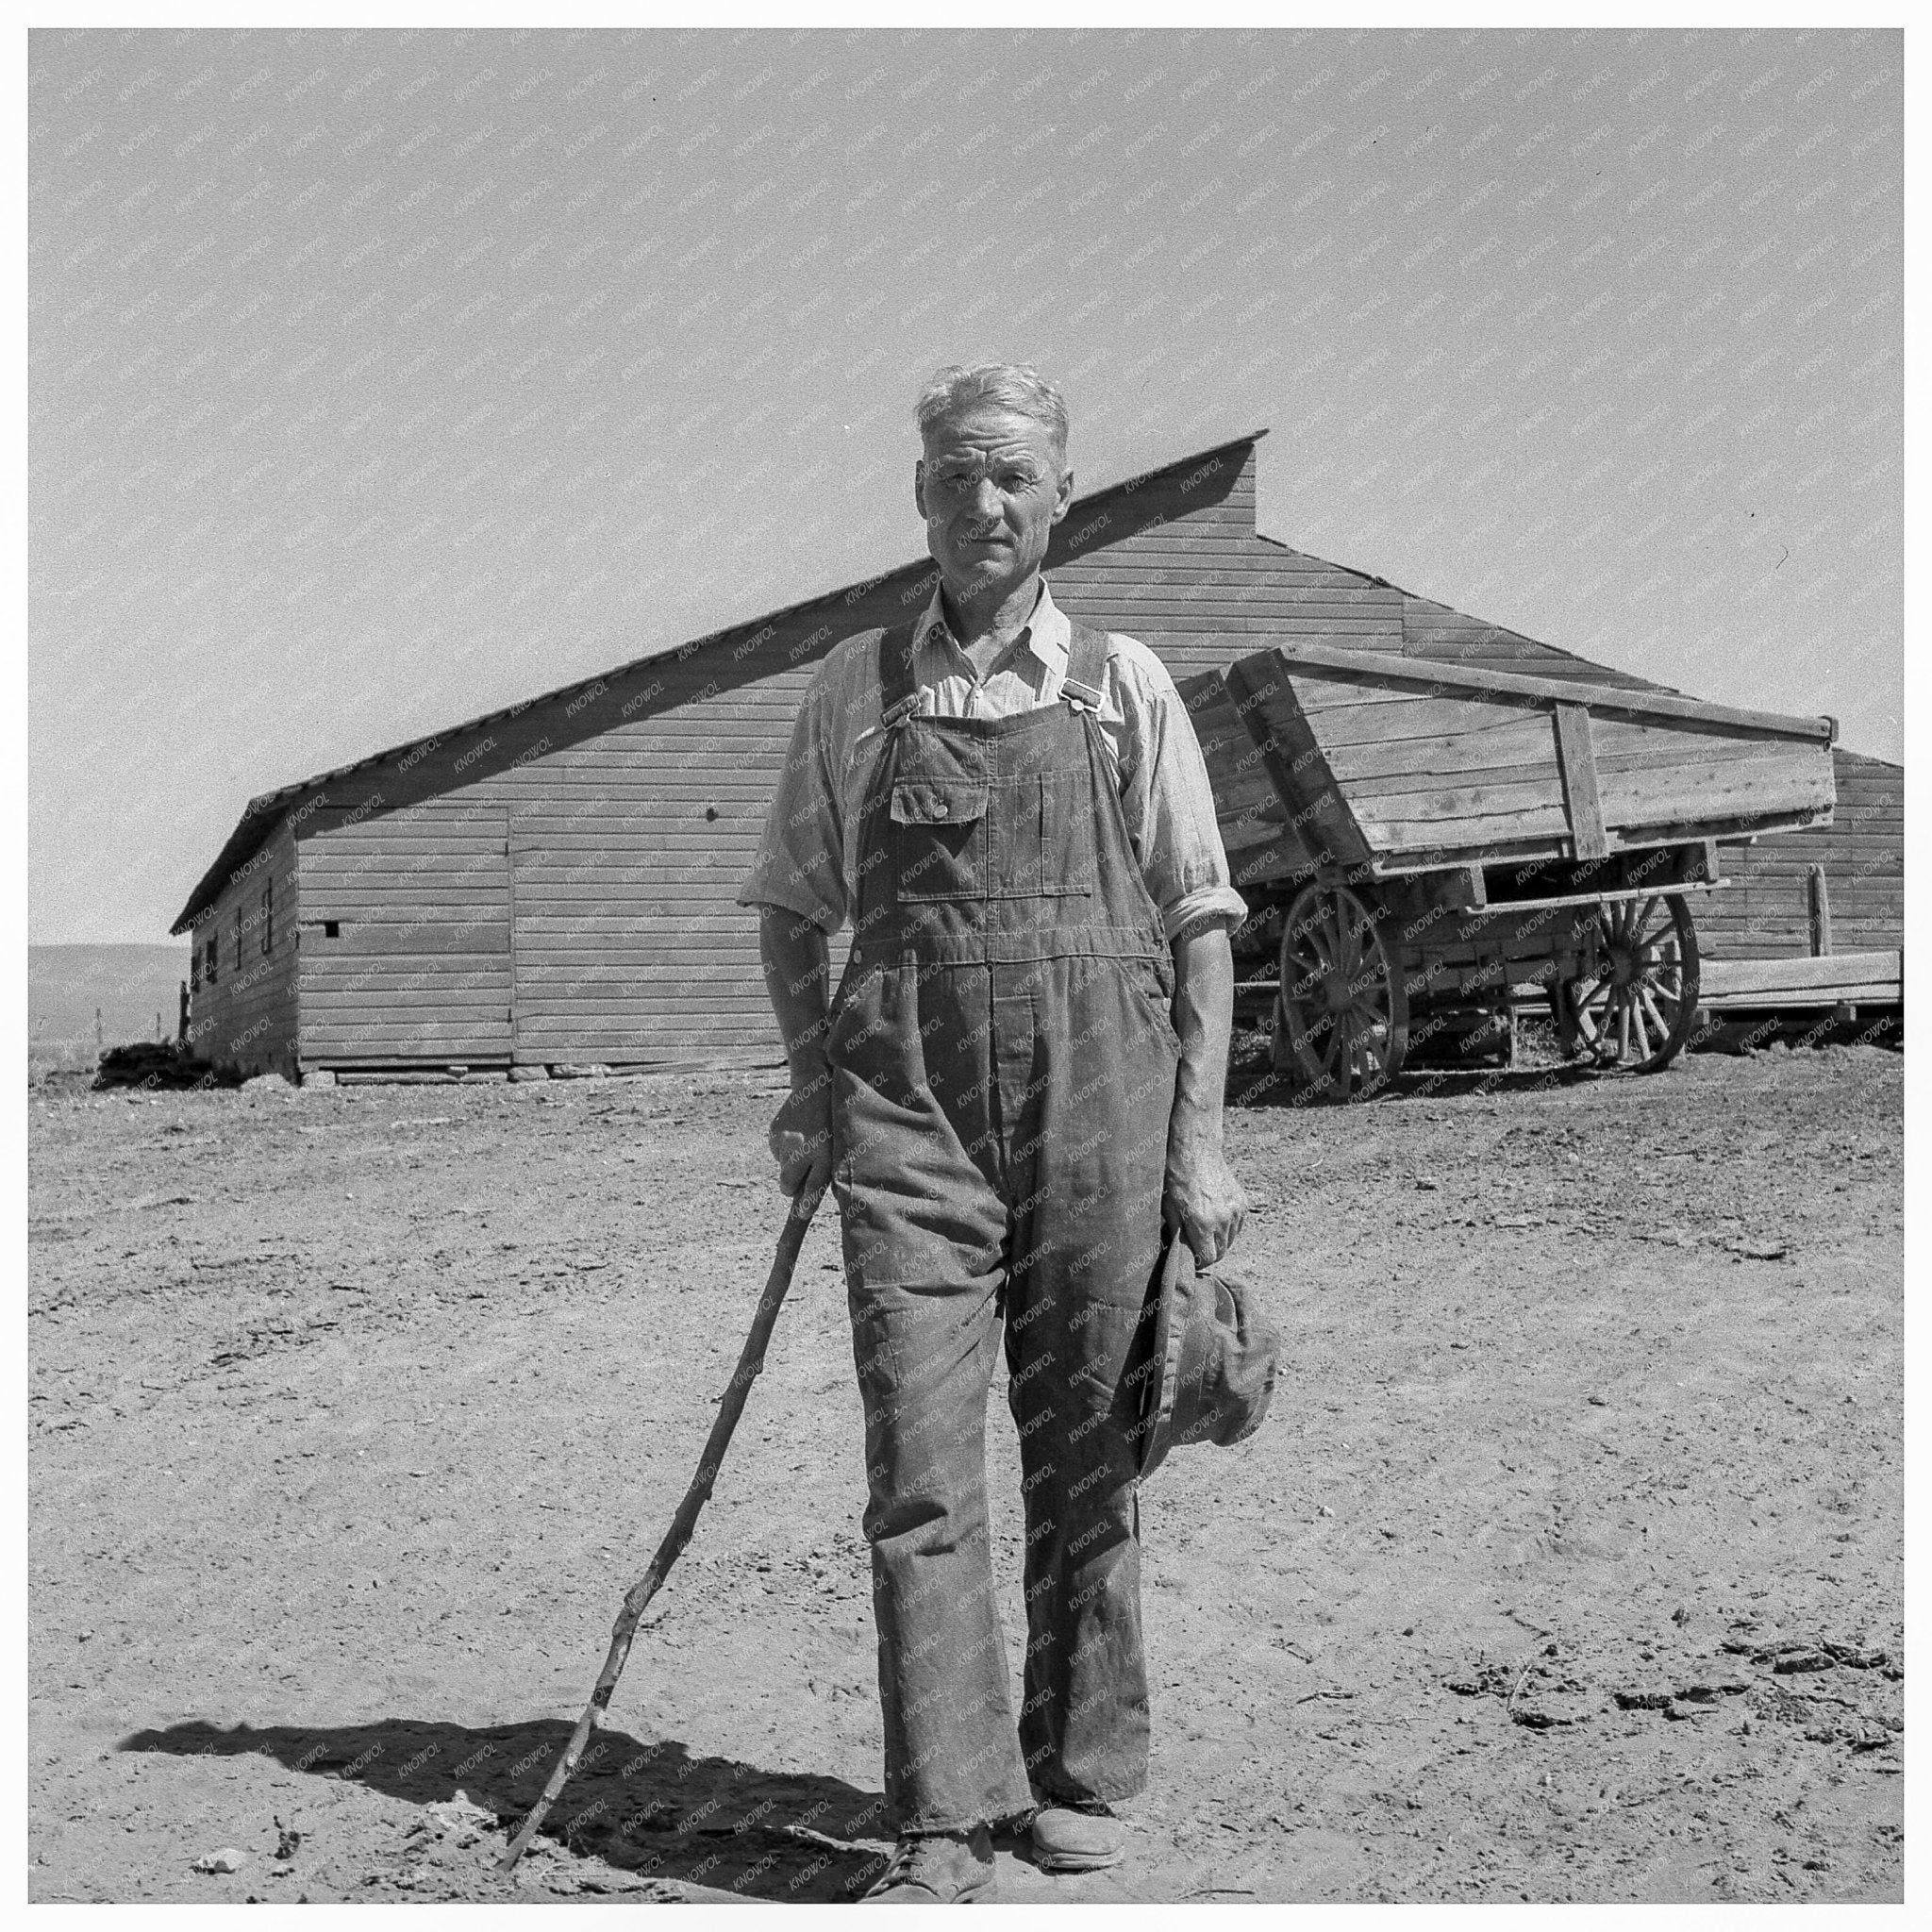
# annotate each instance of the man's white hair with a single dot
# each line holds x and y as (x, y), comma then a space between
(1011, 384)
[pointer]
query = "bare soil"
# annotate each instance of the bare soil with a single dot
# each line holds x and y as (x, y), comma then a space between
(1568, 1565)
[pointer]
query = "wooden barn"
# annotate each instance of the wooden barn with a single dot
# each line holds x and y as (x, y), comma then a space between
(554, 885)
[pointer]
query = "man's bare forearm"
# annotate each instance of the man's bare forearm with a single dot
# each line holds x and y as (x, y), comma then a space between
(1202, 1191)
(793, 954)
(1204, 1017)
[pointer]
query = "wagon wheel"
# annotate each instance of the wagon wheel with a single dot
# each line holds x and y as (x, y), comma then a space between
(1342, 1014)
(1634, 1013)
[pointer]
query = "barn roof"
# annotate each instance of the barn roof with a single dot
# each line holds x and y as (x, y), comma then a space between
(263, 813)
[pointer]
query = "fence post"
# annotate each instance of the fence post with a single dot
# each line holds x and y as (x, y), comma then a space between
(1819, 897)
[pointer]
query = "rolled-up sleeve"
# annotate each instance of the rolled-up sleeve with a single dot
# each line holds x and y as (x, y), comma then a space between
(800, 855)
(1167, 800)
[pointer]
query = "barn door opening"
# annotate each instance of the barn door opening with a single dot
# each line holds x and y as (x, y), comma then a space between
(404, 954)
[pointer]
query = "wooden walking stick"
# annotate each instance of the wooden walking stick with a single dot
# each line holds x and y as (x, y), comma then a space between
(751, 1359)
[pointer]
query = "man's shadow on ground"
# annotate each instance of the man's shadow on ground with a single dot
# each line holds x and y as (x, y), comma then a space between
(650, 1809)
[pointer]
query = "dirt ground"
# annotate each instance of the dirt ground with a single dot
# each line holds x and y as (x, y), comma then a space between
(1568, 1565)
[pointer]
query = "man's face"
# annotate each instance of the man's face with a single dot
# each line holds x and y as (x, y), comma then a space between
(990, 488)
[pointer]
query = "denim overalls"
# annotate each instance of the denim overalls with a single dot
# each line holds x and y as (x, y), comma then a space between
(1003, 1069)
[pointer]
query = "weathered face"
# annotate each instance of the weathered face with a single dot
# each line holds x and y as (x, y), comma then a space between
(990, 488)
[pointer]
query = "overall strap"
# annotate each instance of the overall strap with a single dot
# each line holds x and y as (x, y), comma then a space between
(899, 692)
(1086, 667)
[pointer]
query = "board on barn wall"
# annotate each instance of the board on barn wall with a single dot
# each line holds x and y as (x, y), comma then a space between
(405, 936)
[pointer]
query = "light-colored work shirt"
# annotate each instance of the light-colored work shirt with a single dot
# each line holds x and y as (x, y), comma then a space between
(806, 863)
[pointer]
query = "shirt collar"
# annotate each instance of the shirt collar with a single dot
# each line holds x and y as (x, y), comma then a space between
(1048, 634)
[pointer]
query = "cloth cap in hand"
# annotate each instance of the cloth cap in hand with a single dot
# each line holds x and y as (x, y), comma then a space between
(1214, 1357)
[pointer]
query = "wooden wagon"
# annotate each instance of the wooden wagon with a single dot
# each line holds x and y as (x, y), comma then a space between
(1423, 847)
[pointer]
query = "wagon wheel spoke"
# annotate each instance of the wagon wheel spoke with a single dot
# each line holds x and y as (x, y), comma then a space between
(1309, 956)
(1334, 1062)
(1649, 1003)
(1634, 1006)
(1348, 946)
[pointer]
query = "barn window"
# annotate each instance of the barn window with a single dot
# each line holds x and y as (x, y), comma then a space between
(331, 928)
(214, 948)
(268, 918)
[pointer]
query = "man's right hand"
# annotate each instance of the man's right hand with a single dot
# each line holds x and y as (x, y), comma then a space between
(801, 1136)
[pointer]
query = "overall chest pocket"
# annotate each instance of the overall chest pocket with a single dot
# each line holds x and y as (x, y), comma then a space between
(938, 838)
(1063, 867)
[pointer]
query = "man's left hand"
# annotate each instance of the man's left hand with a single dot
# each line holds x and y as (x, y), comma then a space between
(1203, 1194)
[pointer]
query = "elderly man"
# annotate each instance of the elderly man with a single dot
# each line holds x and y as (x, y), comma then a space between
(1023, 1067)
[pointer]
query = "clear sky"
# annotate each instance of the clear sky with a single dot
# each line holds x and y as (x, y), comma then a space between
(378, 379)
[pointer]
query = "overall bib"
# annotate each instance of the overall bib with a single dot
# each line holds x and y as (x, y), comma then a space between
(1003, 1065)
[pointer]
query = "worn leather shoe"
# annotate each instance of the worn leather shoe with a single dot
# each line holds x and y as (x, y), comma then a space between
(944, 1868)
(1078, 1835)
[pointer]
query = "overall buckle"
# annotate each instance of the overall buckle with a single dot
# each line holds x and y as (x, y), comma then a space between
(1080, 697)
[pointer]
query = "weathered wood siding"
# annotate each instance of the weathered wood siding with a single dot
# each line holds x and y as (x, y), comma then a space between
(630, 808)
(247, 1019)
(406, 935)
(1765, 913)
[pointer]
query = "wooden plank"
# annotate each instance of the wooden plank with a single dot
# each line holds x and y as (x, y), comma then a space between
(1576, 761)
(1240, 570)
(1736, 977)
(362, 940)
(1883, 993)
(437, 1003)
(486, 1033)
(1537, 799)
(1710, 793)
(542, 1020)
(1426, 768)
(373, 967)
(401, 907)
(1398, 673)
(1633, 743)
(393, 845)
(1193, 594)
(1468, 837)
(1818, 903)
(441, 882)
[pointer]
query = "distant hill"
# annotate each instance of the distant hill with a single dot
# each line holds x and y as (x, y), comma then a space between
(129, 984)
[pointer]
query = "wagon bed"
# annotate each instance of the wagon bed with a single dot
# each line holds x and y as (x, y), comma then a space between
(1426, 836)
